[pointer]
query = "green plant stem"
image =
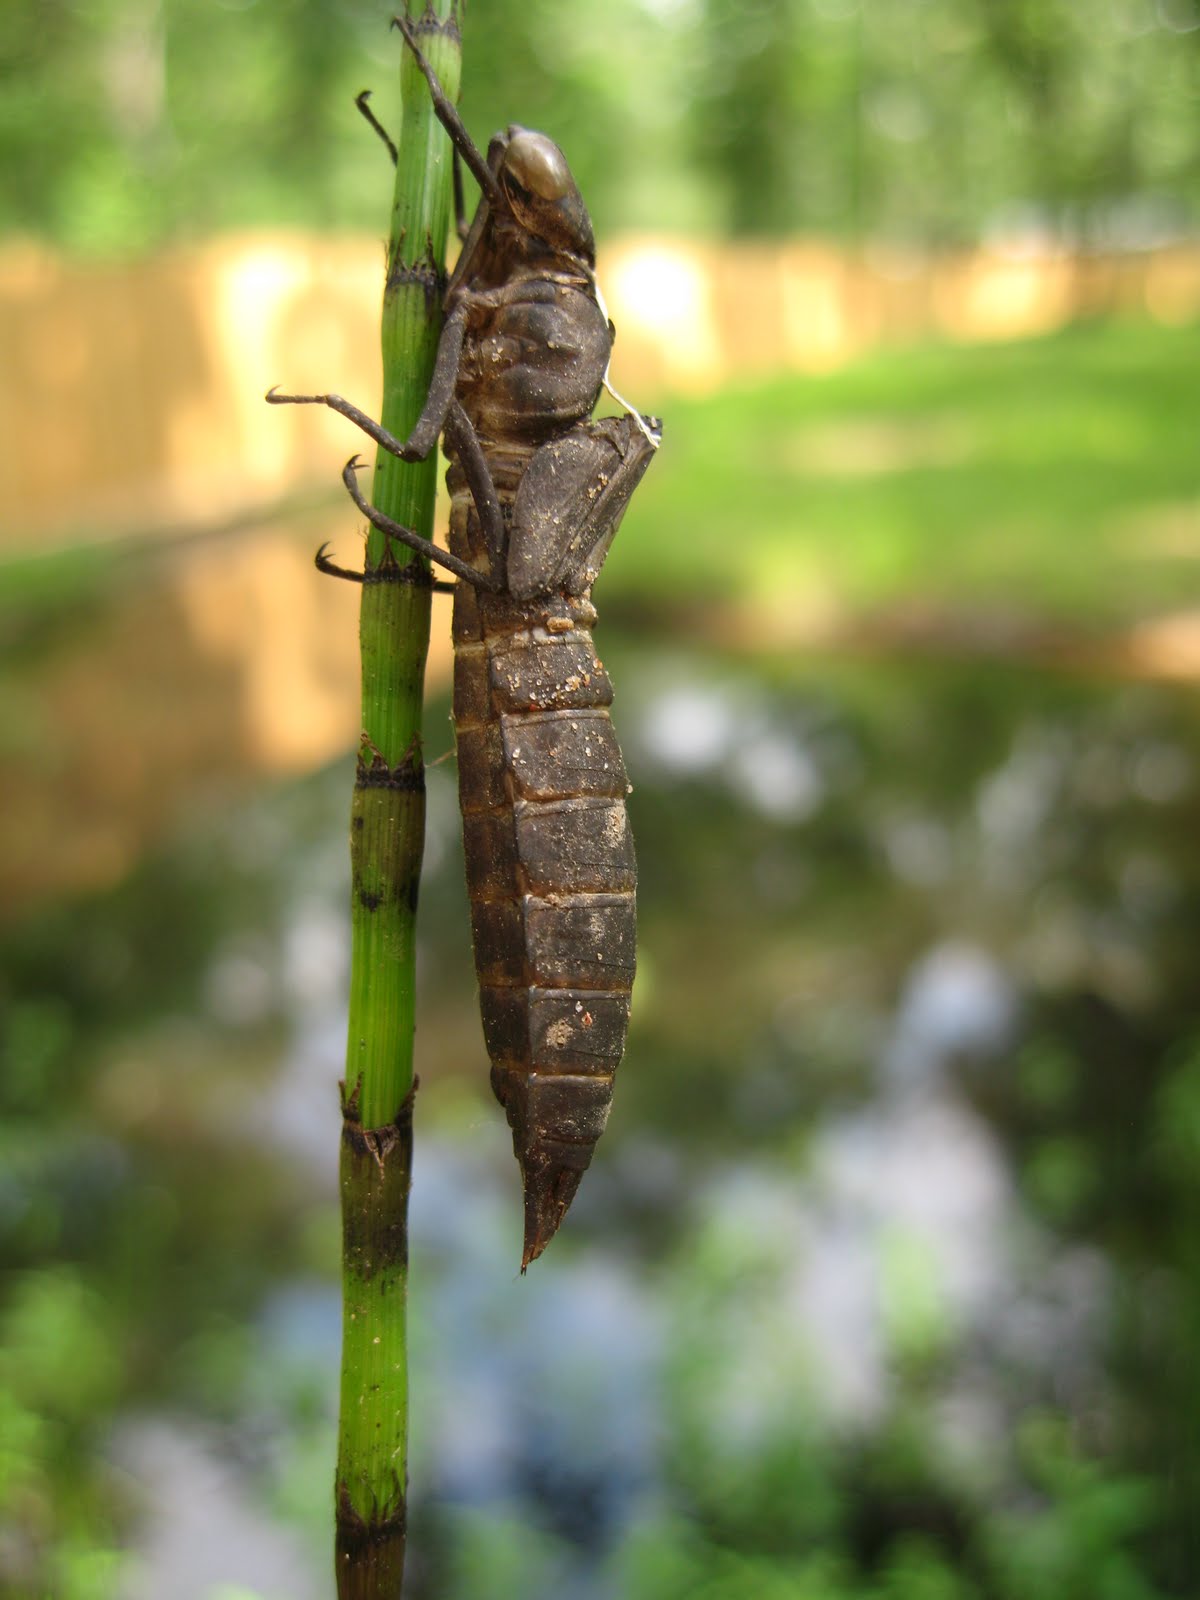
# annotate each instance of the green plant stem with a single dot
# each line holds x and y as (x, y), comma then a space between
(386, 843)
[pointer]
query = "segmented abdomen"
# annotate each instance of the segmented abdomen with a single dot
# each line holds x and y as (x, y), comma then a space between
(550, 874)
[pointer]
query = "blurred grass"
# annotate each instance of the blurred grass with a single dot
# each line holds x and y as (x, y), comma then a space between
(1058, 476)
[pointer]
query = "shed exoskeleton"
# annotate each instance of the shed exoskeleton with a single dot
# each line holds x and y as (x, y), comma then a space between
(537, 493)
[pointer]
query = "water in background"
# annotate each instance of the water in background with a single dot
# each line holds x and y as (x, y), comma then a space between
(882, 1283)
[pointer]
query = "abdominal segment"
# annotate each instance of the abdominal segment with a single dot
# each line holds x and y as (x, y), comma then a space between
(551, 879)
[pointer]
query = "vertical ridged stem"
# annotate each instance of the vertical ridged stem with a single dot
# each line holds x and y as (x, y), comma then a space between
(386, 843)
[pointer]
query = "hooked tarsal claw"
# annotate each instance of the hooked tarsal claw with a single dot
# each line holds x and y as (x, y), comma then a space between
(331, 570)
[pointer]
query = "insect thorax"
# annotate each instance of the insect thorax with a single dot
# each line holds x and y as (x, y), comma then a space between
(534, 360)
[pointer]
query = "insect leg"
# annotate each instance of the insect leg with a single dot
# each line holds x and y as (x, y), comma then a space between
(437, 402)
(414, 541)
(360, 100)
(331, 570)
(449, 118)
(461, 225)
(461, 436)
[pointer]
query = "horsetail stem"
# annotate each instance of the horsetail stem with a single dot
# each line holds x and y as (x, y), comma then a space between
(386, 842)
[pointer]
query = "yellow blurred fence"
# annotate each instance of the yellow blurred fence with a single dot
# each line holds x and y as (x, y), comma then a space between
(133, 403)
(134, 392)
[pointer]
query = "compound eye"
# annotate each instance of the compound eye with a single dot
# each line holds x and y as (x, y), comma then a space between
(537, 165)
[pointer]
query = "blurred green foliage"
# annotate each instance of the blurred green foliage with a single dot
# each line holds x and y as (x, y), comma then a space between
(142, 1225)
(60, 1372)
(125, 123)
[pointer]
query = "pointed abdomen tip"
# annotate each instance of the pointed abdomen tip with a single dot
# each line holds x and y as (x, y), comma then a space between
(556, 1120)
(550, 1187)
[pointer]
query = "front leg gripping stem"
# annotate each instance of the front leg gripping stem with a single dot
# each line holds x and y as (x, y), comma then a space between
(414, 541)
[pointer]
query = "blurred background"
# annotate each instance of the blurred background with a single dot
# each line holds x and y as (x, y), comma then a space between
(885, 1283)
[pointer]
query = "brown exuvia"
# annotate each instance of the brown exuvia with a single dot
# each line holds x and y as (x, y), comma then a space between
(538, 491)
